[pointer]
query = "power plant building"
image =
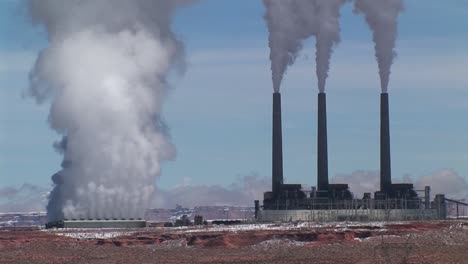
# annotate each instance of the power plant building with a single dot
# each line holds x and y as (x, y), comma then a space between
(335, 202)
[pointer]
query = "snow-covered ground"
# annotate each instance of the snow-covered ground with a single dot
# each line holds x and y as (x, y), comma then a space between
(94, 235)
(336, 227)
(8, 223)
(23, 213)
(278, 243)
(283, 226)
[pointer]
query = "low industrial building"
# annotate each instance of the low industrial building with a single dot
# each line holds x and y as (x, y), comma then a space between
(97, 224)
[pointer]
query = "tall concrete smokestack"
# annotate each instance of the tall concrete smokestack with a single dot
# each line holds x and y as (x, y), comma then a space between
(322, 148)
(385, 163)
(277, 146)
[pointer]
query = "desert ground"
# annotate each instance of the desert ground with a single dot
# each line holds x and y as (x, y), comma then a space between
(374, 242)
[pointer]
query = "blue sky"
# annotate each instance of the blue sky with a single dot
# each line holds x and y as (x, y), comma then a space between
(219, 111)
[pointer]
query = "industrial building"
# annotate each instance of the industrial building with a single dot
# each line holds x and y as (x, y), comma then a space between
(336, 202)
(94, 223)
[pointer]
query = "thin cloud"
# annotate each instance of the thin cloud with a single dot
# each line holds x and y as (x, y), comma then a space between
(26, 198)
(242, 192)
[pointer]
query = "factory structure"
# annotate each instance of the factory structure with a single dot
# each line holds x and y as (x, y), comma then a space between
(97, 223)
(336, 202)
(326, 201)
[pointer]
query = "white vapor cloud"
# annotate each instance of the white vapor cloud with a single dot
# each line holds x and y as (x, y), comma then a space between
(243, 191)
(444, 181)
(382, 17)
(105, 73)
(359, 182)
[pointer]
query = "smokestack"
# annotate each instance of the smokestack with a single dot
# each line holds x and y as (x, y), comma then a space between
(277, 146)
(385, 164)
(322, 148)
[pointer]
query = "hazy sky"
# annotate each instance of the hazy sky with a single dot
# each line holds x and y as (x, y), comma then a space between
(219, 112)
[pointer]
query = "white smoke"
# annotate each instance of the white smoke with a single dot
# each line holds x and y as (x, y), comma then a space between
(382, 17)
(359, 182)
(328, 35)
(445, 181)
(290, 22)
(104, 72)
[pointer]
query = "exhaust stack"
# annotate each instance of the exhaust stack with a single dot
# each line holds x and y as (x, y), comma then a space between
(322, 145)
(277, 146)
(385, 162)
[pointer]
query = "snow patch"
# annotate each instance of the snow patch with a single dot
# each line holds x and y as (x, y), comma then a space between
(278, 243)
(94, 235)
(337, 227)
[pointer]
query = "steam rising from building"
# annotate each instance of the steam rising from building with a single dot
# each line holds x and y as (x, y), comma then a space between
(105, 74)
(382, 17)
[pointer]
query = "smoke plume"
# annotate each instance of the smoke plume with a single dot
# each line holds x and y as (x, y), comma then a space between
(104, 73)
(382, 17)
(445, 181)
(328, 35)
(289, 23)
(359, 182)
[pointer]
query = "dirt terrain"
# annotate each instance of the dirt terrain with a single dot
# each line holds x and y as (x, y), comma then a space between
(405, 242)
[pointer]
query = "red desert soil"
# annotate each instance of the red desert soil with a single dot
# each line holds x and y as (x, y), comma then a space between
(408, 242)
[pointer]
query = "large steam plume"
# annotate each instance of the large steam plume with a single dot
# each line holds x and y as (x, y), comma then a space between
(382, 17)
(104, 72)
(290, 22)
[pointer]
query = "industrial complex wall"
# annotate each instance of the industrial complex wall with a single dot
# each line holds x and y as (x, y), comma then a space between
(98, 224)
(347, 215)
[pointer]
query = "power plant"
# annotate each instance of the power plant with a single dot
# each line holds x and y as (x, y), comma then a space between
(328, 202)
